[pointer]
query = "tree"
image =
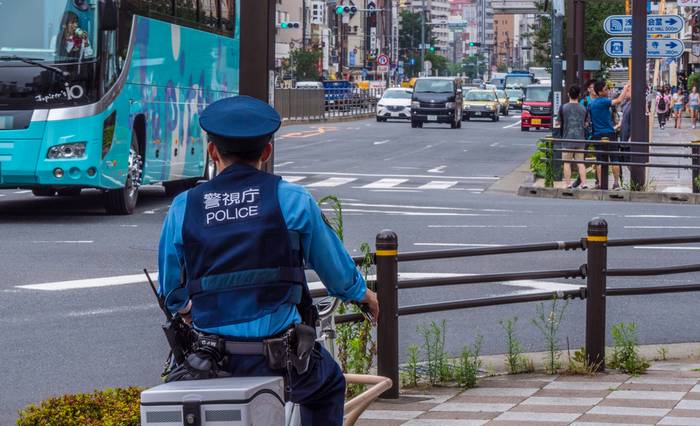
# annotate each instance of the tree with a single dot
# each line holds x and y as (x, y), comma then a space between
(540, 34)
(410, 39)
(502, 68)
(470, 66)
(304, 64)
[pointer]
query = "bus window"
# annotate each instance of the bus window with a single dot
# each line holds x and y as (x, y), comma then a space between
(227, 16)
(186, 10)
(208, 15)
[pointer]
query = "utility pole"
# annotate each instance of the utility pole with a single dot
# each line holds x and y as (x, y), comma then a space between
(571, 30)
(639, 82)
(303, 24)
(422, 38)
(580, 39)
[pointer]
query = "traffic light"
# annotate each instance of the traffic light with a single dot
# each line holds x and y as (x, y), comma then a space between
(342, 10)
(288, 25)
(474, 44)
(432, 49)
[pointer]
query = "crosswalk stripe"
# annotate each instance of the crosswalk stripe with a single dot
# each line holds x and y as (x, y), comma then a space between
(331, 182)
(385, 183)
(293, 179)
(439, 184)
(22, 192)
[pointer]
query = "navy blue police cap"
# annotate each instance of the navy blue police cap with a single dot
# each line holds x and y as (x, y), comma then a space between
(240, 123)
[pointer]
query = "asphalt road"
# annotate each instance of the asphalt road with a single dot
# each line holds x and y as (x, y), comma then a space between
(76, 316)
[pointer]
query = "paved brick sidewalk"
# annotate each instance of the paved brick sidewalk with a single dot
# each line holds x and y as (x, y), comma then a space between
(672, 180)
(669, 394)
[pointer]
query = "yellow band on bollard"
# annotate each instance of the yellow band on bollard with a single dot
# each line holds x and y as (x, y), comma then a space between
(597, 239)
(387, 252)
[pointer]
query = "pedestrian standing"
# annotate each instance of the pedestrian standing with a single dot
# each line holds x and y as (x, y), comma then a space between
(573, 117)
(603, 126)
(694, 103)
(663, 103)
(678, 104)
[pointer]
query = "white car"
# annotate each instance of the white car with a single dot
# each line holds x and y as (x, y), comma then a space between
(395, 103)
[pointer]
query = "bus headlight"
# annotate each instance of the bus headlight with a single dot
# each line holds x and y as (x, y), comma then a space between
(73, 150)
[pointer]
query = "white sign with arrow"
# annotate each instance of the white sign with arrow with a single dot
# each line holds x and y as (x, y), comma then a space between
(682, 3)
(656, 24)
(617, 47)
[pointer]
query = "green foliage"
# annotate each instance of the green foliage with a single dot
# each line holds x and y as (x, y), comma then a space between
(579, 365)
(434, 350)
(304, 64)
(502, 68)
(540, 34)
(696, 182)
(663, 353)
(467, 366)
(409, 377)
(111, 407)
(474, 66)
(548, 323)
(625, 356)
(542, 162)
(516, 362)
(355, 344)
(694, 81)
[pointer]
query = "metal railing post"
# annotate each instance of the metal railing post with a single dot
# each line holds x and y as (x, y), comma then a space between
(597, 241)
(604, 167)
(695, 150)
(388, 324)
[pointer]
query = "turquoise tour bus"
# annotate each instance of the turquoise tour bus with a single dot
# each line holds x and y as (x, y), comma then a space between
(107, 94)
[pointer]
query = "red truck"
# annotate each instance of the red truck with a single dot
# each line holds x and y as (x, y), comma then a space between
(537, 108)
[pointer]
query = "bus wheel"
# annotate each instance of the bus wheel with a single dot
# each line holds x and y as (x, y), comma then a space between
(122, 201)
(44, 192)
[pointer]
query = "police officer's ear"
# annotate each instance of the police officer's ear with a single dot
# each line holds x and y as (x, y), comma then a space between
(213, 152)
(267, 153)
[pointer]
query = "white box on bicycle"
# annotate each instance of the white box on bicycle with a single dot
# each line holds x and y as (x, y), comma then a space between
(231, 401)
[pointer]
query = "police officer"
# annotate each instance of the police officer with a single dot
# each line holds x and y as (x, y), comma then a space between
(243, 240)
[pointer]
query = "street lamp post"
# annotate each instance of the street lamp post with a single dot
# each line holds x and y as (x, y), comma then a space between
(422, 38)
(640, 133)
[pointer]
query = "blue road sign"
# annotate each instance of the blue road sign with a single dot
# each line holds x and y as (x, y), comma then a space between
(619, 47)
(656, 24)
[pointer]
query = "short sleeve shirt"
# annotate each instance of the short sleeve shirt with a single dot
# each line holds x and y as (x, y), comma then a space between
(600, 116)
(573, 116)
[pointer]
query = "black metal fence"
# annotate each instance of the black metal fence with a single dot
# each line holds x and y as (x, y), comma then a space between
(595, 271)
(306, 104)
(606, 153)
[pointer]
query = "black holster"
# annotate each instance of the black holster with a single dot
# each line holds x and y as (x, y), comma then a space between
(293, 349)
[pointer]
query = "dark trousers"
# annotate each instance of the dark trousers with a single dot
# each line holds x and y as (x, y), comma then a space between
(320, 391)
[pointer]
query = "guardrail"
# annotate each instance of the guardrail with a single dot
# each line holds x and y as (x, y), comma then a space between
(322, 104)
(595, 271)
(603, 152)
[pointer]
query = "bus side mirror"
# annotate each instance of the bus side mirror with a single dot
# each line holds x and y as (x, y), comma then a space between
(109, 16)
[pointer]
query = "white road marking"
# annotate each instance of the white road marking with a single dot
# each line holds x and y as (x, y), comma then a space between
(331, 182)
(386, 183)
(404, 213)
(64, 242)
(517, 123)
(493, 145)
(149, 212)
(128, 226)
(286, 163)
(477, 226)
(657, 216)
(429, 207)
(293, 179)
(664, 248)
(397, 176)
(382, 142)
(108, 311)
(22, 192)
(662, 227)
(437, 184)
(440, 169)
(395, 190)
(89, 283)
(456, 245)
(2, 195)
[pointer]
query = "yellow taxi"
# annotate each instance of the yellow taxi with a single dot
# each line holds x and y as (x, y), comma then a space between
(481, 104)
(503, 101)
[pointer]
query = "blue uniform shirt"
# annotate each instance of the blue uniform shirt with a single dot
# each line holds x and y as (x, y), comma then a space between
(322, 249)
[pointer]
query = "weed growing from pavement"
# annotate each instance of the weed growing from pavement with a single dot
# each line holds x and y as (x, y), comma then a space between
(625, 356)
(663, 353)
(549, 323)
(697, 183)
(355, 343)
(578, 363)
(409, 377)
(541, 162)
(434, 350)
(467, 366)
(516, 362)
(648, 186)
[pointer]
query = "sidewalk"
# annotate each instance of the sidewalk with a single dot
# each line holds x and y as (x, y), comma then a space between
(672, 180)
(669, 394)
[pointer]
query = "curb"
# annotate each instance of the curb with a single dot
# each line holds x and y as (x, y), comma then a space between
(601, 195)
(288, 122)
